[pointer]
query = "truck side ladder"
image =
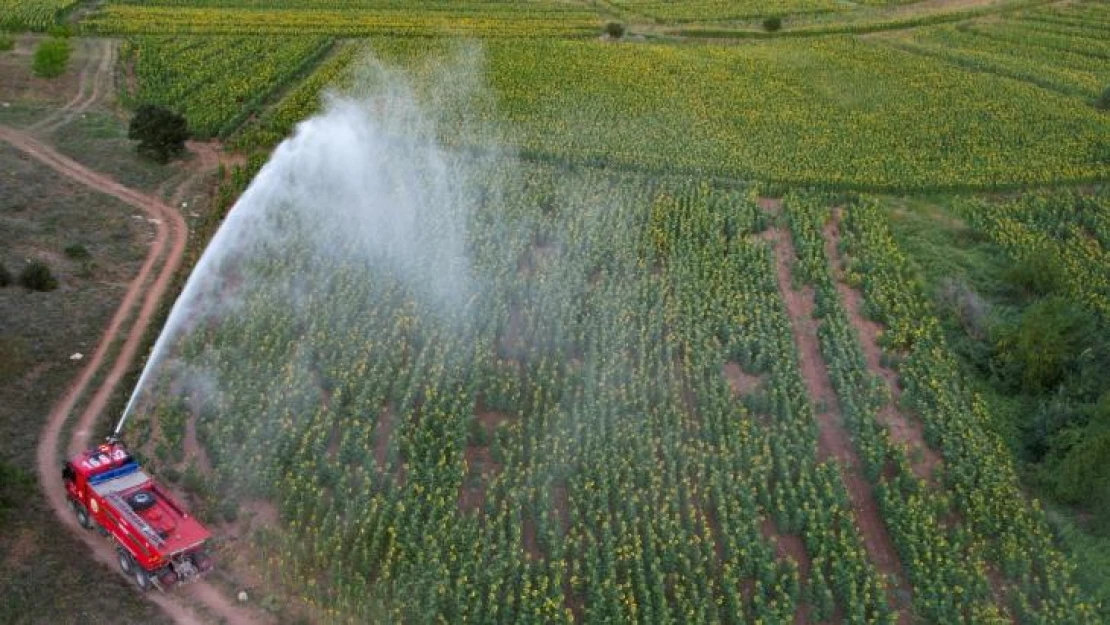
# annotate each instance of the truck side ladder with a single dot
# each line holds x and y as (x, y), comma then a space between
(119, 503)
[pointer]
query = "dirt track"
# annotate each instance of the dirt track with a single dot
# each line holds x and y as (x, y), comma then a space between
(833, 440)
(104, 58)
(170, 230)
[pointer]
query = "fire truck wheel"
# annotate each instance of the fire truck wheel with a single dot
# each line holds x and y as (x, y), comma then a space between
(82, 514)
(142, 579)
(126, 564)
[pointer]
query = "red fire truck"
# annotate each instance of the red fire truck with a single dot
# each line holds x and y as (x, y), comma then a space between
(157, 542)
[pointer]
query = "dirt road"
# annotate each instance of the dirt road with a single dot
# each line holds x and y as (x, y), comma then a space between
(163, 260)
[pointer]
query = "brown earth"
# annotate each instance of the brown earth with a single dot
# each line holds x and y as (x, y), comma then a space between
(740, 381)
(906, 431)
(833, 440)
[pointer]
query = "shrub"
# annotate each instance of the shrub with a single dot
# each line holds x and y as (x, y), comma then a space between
(772, 24)
(5, 275)
(7, 42)
(1042, 346)
(62, 31)
(36, 276)
(77, 251)
(161, 132)
(615, 30)
(51, 58)
(1103, 101)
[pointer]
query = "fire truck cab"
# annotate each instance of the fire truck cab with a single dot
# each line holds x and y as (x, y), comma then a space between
(158, 543)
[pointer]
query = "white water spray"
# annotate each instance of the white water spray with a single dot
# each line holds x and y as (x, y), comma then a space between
(367, 179)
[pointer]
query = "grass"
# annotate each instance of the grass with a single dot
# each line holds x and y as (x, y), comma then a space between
(48, 572)
(99, 141)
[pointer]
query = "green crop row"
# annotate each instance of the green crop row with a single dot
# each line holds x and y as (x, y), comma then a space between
(31, 14)
(979, 471)
(533, 21)
(204, 79)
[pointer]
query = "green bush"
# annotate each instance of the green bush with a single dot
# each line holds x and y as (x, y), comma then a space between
(615, 30)
(1038, 351)
(51, 58)
(1103, 101)
(61, 31)
(77, 251)
(36, 276)
(772, 24)
(7, 42)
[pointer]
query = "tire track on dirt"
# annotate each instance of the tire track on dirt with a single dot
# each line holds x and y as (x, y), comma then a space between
(833, 441)
(47, 461)
(101, 85)
(82, 80)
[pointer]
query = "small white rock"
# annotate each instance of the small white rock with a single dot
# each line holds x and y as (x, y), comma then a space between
(243, 596)
(154, 221)
(184, 205)
(77, 356)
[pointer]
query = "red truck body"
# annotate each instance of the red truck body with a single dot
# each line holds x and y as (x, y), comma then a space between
(158, 542)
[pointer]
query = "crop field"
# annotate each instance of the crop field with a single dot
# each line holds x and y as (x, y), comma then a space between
(723, 10)
(31, 14)
(200, 76)
(611, 425)
(758, 111)
(511, 320)
(500, 19)
(1070, 73)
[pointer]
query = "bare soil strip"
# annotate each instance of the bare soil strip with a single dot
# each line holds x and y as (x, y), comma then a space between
(48, 471)
(833, 440)
(909, 432)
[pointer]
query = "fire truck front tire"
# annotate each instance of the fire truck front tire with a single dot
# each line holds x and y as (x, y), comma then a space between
(142, 578)
(82, 514)
(126, 564)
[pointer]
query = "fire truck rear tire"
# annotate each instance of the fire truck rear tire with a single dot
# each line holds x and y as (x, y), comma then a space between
(126, 564)
(142, 579)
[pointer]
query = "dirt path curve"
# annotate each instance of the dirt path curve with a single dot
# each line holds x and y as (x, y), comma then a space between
(833, 440)
(47, 453)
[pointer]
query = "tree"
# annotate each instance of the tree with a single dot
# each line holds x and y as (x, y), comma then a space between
(51, 58)
(36, 276)
(773, 23)
(615, 30)
(161, 132)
